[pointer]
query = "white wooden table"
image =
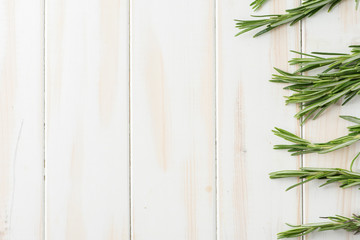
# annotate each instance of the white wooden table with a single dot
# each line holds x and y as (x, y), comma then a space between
(149, 120)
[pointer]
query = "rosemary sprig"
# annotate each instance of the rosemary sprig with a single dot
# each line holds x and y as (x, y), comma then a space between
(339, 79)
(268, 22)
(345, 177)
(302, 146)
(256, 4)
(336, 222)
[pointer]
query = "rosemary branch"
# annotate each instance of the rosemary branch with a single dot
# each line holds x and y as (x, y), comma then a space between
(339, 79)
(256, 4)
(268, 22)
(336, 222)
(302, 146)
(345, 177)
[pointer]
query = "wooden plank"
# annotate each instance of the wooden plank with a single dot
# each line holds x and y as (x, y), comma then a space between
(173, 119)
(87, 115)
(250, 205)
(21, 120)
(332, 32)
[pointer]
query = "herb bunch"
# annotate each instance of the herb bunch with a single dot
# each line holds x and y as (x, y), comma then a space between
(336, 222)
(339, 79)
(303, 146)
(268, 22)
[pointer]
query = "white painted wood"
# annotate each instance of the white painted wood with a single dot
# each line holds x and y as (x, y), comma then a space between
(87, 115)
(173, 123)
(21, 120)
(332, 32)
(173, 119)
(251, 206)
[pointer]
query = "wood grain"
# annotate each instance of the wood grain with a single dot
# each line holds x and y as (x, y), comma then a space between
(87, 119)
(175, 144)
(332, 32)
(173, 119)
(251, 206)
(21, 120)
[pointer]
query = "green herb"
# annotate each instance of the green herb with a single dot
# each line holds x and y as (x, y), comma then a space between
(339, 79)
(332, 175)
(268, 22)
(302, 146)
(337, 222)
(257, 4)
(345, 177)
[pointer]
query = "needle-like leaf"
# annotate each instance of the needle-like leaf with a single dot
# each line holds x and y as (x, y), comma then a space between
(256, 4)
(302, 146)
(337, 222)
(339, 79)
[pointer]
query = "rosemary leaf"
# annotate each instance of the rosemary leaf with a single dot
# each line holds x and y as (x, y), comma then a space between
(257, 4)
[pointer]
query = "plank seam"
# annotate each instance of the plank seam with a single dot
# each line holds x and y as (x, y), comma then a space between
(217, 202)
(44, 232)
(302, 189)
(131, 235)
